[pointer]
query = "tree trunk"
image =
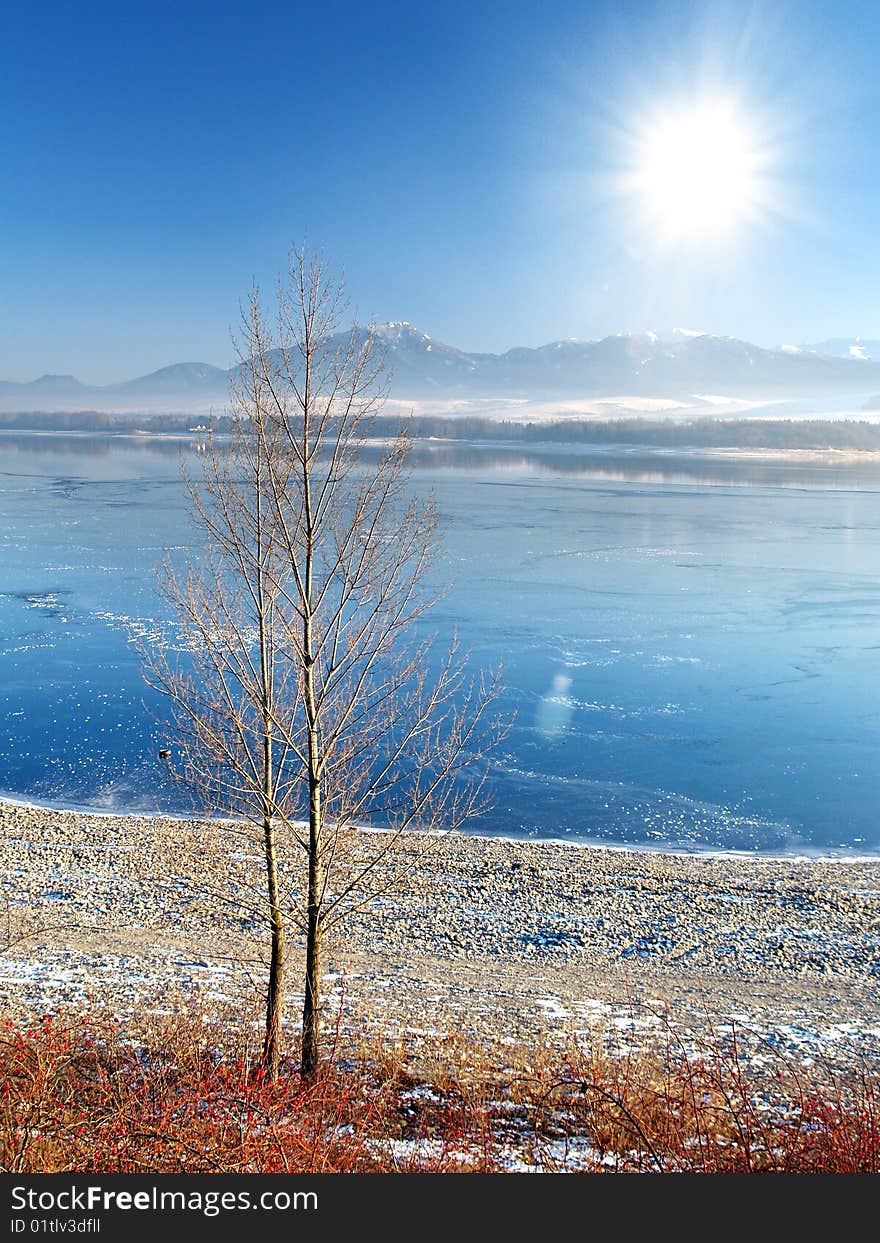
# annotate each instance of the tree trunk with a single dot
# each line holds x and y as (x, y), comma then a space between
(275, 990)
(311, 1024)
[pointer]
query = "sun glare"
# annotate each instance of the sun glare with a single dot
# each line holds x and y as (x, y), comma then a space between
(697, 171)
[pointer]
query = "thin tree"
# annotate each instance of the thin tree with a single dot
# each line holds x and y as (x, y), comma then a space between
(313, 702)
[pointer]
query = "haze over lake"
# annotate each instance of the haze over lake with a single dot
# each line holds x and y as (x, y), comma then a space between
(691, 643)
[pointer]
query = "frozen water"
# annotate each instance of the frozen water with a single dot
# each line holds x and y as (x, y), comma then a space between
(691, 644)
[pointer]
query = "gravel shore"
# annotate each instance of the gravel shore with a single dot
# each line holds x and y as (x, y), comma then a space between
(498, 938)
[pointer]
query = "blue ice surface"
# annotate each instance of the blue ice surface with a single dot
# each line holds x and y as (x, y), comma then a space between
(690, 643)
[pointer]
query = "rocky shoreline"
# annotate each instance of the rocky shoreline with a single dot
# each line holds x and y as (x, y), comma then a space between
(495, 938)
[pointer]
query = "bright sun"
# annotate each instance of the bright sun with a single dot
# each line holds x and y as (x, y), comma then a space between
(697, 171)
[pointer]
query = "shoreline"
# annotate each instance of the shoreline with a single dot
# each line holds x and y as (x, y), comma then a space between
(583, 843)
(508, 939)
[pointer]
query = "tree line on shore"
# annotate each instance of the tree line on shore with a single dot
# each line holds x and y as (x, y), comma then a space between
(704, 433)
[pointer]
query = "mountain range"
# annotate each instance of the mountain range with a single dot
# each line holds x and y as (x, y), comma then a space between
(683, 363)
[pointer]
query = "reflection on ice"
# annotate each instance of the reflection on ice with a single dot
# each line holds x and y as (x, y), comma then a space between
(554, 711)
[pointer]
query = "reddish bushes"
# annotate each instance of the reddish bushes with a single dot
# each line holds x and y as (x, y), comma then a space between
(714, 1113)
(88, 1097)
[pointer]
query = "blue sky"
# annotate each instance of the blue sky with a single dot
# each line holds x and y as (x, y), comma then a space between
(461, 162)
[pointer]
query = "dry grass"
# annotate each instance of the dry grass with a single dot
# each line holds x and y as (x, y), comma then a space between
(181, 1096)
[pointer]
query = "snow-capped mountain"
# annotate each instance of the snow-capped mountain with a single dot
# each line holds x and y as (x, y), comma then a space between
(849, 347)
(681, 363)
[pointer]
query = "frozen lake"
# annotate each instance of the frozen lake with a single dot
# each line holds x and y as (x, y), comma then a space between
(692, 643)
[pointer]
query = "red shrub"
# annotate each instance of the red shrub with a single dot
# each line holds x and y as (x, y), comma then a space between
(88, 1097)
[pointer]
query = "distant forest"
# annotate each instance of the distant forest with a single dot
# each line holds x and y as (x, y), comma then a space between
(705, 433)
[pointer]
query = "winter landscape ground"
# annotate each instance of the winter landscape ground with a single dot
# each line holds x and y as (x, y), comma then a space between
(473, 1012)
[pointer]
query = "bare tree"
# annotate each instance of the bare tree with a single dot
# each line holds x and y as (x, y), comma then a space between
(312, 702)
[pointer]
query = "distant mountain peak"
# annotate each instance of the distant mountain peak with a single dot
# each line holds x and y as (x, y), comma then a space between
(396, 328)
(187, 375)
(50, 380)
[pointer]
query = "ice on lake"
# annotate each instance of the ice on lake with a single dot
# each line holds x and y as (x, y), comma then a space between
(691, 644)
